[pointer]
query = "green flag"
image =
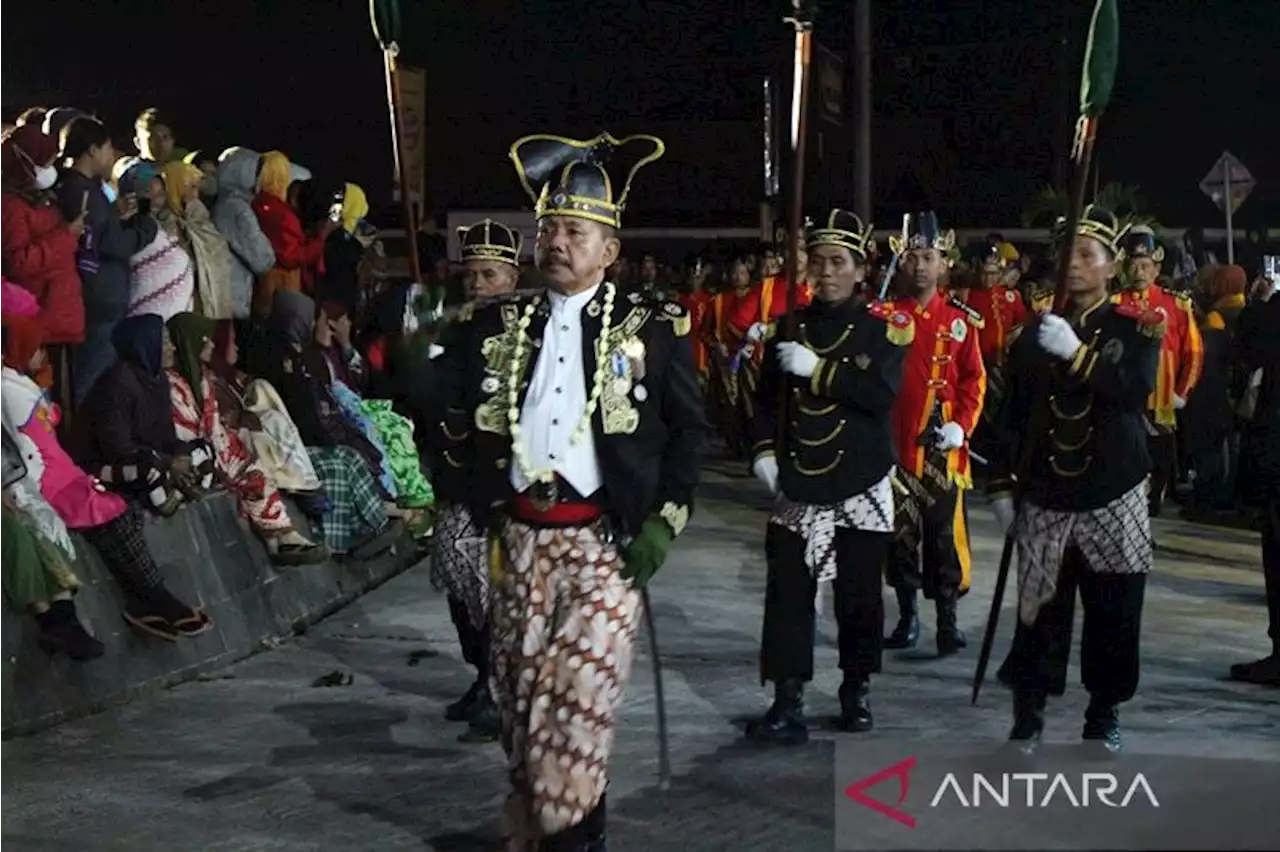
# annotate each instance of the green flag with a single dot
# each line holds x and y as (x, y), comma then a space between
(385, 15)
(1100, 57)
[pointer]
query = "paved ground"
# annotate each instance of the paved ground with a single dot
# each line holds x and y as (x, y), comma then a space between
(259, 759)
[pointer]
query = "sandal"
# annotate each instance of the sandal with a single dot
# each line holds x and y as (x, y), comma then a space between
(155, 625)
(171, 504)
(194, 624)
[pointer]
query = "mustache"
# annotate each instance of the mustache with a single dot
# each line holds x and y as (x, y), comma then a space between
(555, 260)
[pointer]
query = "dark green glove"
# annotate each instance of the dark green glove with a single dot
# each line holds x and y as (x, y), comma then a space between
(647, 551)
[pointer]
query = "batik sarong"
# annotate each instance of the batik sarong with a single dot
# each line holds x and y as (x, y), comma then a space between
(1115, 539)
(460, 561)
(564, 623)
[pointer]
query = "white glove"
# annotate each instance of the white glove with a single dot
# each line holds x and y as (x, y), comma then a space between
(1179, 403)
(757, 332)
(434, 351)
(949, 437)
(1003, 509)
(766, 470)
(797, 360)
(1056, 336)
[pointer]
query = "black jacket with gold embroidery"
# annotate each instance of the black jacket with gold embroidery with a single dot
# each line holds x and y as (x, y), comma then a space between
(649, 426)
(838, 435)
(1072, 435)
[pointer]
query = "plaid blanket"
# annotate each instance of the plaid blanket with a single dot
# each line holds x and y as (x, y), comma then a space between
(355, 504)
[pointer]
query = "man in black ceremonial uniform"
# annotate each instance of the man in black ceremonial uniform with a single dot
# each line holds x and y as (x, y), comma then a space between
(1075, 448)
(587, 434)
(833, 515)
(490, 254)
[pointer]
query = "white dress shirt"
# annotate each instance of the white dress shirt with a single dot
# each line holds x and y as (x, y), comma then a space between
(557, 399)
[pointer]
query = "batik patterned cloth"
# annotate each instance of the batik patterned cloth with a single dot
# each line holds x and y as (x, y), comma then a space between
(401, 453)
(355, 506)
(460, 561)
(564, 623)
(256, 496)
(1115, 539)
(871, 511)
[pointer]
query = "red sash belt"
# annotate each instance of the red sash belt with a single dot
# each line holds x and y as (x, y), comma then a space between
(570, 513)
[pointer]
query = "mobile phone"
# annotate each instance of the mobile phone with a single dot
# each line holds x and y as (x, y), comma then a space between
(1271, 267)
(144, 205)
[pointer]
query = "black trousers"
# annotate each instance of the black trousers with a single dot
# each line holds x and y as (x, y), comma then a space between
(474, 641)
(1163, 448)
(1108, 641)
(936, 557)
(786, 645)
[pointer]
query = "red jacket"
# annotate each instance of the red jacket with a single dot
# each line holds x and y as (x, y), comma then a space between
(39, 255)
(1002, 310)
(943, 365)
(1181, 349)
(699, 306)
(293, 248)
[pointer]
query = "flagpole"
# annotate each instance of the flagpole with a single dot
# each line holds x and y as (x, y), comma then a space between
(1095, 91)
(801, 18)
(385, 17)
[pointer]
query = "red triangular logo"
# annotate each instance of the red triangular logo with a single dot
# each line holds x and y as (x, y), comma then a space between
(901, 771)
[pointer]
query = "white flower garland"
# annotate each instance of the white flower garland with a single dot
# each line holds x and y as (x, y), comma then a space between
(513, 387)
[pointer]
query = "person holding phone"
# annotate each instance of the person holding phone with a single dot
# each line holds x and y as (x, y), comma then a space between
(112, 233)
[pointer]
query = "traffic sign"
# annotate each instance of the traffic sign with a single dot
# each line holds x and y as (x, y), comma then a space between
(1228, 169)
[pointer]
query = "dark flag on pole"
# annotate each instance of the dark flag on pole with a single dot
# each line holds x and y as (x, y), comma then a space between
(1101, 55)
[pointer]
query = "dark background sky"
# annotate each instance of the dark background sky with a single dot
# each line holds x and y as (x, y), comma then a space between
(971, 98)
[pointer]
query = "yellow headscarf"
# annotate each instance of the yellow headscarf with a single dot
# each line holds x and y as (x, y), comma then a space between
(354, 207)
(179, 177)
(274, 176)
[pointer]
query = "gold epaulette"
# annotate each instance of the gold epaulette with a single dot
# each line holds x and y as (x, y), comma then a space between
(674, 313)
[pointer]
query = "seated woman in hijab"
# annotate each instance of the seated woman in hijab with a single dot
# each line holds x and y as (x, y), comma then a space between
(125, 434)
(80, 501)
(252, 408)
(343, 457)
(185, 218)
(331, 352)
(196, 417)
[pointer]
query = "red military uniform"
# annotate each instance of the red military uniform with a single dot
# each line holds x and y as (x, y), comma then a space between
(1181, 353)
(699, 307)
(944, 367)
(1001, 310)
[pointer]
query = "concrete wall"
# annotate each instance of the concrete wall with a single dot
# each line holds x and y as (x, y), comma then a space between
(210, 559)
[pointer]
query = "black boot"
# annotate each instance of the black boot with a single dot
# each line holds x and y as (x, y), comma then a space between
(907, 633)
(483, 725)
(1102, 723)
(950, 637)
(784, 723)
(61, 631)
(465, 707)
(855, 705)
(1028, 719)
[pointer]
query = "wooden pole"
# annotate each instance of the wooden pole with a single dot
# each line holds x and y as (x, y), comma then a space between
(1079, 183)
(802, 20)
(395, 100)
(862, 159)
